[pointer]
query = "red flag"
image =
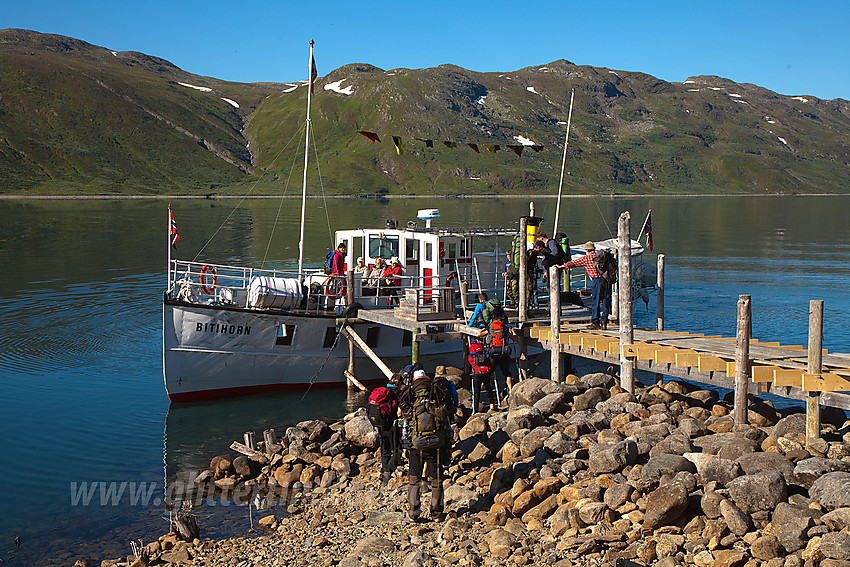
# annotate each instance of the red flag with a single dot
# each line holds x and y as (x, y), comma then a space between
(474, 147)
(515, 149)
(428, 143)
(313, 73)
(647, 229)
(175, 236)
(371, 135)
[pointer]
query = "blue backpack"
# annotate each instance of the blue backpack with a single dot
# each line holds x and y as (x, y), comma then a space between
(329, 262)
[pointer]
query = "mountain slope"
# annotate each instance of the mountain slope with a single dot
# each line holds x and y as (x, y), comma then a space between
(80, 118)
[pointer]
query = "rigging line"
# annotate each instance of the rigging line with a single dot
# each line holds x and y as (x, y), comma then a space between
(295, 156)
(604, 220)
(242, 200)
(322, 186)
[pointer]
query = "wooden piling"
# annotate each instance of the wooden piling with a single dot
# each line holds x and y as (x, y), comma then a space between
(627, 332)
(555, 323)
(250, 440)
(352, 335)
(270, 440)
(814, 367)
(352, 351)
(522, 308)
(742, 360)
(414, 347)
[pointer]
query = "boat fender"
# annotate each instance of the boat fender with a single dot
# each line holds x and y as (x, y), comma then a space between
(207, 269)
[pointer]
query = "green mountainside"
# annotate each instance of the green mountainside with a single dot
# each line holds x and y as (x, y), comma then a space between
(80, 119)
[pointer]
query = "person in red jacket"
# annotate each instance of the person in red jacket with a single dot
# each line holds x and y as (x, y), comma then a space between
(393, 280)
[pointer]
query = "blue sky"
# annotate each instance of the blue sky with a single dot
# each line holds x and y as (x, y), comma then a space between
(789, 47)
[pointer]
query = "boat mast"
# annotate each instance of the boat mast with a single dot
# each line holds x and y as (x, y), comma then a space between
(563, 163)
(310, 67)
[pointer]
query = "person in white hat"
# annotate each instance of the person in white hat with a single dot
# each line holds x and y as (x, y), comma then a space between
(361, 267)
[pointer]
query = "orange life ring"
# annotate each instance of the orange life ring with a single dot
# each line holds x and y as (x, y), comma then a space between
(208, 289)
(329, 285)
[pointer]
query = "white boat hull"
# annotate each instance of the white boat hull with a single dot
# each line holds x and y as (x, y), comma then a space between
(214, 352)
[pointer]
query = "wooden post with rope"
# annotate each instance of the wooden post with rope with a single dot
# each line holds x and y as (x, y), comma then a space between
(814, 367)
(627, 332)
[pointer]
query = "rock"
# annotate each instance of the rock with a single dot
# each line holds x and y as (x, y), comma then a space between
(560, 444)
(702, 559)
(559, 522)
(534, 441)
(761, 413)
(754, 462)
(737, 447)
(592, 513)
(762, 490)
(838, 519)
(416, 558)
(619, 404)
(475, 426)
(530, 391)
(589, 399)
(542, 510)
(675, 444)
(809, 470)
(617, 495)
(556, 402)
(714, 469)
(612, 457)
(373, 546)
(459, 493)
(500, 542)
(766, 547)
(597, 380)
(794, 424)
(664, 505)
(738, 522)
(267, 522)
(359, 431)
(523, 418)
(793, 532)
(245, 467)
(832, 490)
(836, 545)
(729, 558)
(658, 466)
(710, 504)
(315, 430)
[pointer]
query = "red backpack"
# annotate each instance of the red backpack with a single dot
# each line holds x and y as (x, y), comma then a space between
(478, 359)
(382, 405)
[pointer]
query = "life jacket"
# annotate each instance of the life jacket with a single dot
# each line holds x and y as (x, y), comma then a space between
(429, 415)
(605, 264)
(478, 359)
(497, 339)
(381, 407)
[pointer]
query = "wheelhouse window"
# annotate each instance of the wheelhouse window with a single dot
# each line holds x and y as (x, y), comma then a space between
(381, 246)
(452, 250)
(411, 248)
(330, 337)
(429, 251)
(285, 334)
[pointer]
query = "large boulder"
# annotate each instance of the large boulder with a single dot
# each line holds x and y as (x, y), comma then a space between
(675, 444)
(753, 462)
(534, 441)
(523, 418)
(791, 426)
(597, 380)
(662, 465)
(556, 402)
(589, 399)
(838, 519)
(316, 430)
(359, 431)
(711, 468)
(808, 471)
(664, 505)
(612, 457)
(832, 490)
(760, 491)
(836, 545)
(530, 391)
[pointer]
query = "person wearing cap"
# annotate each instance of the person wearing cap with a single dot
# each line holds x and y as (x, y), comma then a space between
(361, 267)
(393, 280)
(600, 290)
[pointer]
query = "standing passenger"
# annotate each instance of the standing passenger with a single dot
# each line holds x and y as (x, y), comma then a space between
(600, 289)
(393, 280)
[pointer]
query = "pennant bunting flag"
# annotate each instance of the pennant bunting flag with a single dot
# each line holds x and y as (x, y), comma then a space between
(474, 147)
(450, 144)
(537, 148)
(516, 149)
(371, 135)
(492, 148)
(175, 236)
(397, 142)
(428, 143)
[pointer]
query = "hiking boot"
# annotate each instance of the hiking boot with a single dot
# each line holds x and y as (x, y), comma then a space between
(604, 326)
(438, 516)
(595, 326)
(385, 478)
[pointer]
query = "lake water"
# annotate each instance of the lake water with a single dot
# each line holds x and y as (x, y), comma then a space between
(82, 394)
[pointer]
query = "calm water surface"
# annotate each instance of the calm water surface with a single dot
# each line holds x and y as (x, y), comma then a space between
(80, 330)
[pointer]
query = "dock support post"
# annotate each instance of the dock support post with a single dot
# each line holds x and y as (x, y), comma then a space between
(627, 332)
(352, 335)
(522, 308)
(659, 305)
(250, 440)
(742, 360)
(555, 323)
(352, 351)
(813, 422)
(464, 296)
(414, 347)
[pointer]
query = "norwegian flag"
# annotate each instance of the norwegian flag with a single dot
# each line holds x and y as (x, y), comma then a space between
(175, 236)
(313, 74)
(647, 229)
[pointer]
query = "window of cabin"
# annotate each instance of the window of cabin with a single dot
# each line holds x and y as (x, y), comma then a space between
(330, 337)
(411, 250)
(285, 334)
(381, 246)
(429, 251)
(451, 252)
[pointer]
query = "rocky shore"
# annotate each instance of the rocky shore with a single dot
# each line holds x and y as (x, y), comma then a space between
(580, 473)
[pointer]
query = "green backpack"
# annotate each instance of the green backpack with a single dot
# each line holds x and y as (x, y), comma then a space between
(429, 415)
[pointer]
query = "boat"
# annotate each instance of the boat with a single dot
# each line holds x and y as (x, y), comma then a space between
(233, 330)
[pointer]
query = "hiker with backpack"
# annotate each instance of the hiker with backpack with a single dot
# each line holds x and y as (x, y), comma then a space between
(486, 311)
(602, 270)
(382, 411)
(426, 406)
(497, 345)
(481, 374)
